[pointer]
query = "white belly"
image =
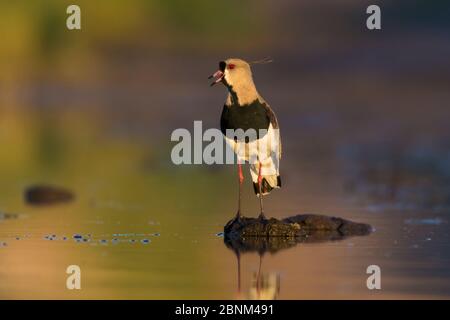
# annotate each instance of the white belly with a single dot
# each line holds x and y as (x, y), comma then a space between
(265, 151)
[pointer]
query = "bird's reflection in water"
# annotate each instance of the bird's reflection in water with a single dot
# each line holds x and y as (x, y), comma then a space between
(266, 286)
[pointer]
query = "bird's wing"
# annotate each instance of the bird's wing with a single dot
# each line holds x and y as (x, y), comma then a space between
(274, 121)
(271, 115)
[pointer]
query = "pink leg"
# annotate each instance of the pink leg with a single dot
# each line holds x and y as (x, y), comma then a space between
(261, 214)
(241, 180)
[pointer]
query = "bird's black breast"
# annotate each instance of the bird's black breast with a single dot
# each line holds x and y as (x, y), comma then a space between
(251, 116)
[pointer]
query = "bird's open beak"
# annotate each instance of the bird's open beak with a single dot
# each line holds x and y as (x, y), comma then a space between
(218, 77)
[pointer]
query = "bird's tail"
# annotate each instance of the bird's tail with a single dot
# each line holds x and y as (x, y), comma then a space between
(270, 178)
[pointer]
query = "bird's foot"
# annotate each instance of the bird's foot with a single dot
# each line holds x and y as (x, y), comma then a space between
(236, 219)
(262, 216)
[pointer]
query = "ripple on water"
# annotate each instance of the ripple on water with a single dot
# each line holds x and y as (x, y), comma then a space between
(89, 238)
(427, 221)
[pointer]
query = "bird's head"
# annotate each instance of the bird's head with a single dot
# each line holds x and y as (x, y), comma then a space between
(233, 73)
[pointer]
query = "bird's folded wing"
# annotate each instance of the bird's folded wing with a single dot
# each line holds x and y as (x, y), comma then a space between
(274, 121)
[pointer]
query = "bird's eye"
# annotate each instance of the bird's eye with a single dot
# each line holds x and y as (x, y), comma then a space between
(231, 66)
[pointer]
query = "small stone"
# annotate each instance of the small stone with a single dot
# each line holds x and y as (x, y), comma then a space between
(46, 195)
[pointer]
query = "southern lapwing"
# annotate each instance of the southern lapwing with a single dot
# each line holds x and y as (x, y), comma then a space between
(245, 109)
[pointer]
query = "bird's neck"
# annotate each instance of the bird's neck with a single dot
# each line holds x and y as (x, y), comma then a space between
(241, 95)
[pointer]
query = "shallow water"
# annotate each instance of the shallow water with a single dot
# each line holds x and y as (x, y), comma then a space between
(133, 258)
(140, 230)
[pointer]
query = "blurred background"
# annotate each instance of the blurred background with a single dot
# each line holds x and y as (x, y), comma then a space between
(364, 119)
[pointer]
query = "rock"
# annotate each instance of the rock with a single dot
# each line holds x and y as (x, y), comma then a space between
(8, 216)
(295, 226)
(45, 195)
(251, 234)
(315, 222)
(251, 227)
(260, 244)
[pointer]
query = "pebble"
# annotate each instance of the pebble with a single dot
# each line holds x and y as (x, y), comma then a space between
(46, 195)
(88, 238)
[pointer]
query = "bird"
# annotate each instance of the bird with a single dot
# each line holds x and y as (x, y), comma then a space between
(245, 109)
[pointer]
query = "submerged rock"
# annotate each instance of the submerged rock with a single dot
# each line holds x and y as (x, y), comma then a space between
(45, 195)
(252, 234)
(8, 216)
(295, 226)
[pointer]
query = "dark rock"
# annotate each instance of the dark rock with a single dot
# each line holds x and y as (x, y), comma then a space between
(260, 244)
(45, 195)
(272, 235)
(8, 216)
(296, 226)
(315, 222)
(251, 227)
